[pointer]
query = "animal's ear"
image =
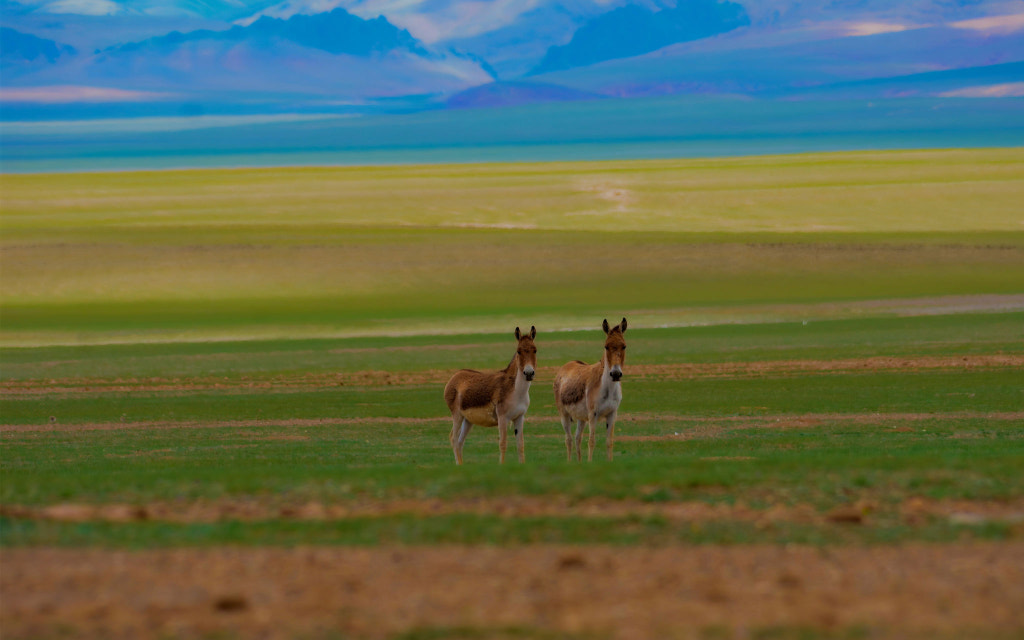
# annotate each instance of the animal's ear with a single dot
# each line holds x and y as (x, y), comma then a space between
(517, 333)
(533, 332)
(623, 325)
(605, 325)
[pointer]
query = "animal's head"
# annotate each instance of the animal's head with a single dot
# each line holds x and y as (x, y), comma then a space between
(615, 348)
(526, 351)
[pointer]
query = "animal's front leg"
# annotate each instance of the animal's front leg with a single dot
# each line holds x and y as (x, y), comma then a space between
(520, 437)
(591, 426)
(610, 438)
(502, 437)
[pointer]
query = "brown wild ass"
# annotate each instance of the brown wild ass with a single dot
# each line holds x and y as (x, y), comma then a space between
(493, 398)
(592, 392)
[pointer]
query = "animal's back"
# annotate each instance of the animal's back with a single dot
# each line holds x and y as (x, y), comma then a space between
(470, 388)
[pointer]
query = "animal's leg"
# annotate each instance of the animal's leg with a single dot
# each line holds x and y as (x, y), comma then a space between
(591, 436)
(454, 435)
(520, 438)
(567, 427)
(502, 438)
(461, 440)
(610, 437)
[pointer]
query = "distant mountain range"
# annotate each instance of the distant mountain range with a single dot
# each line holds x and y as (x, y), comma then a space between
(93, 58)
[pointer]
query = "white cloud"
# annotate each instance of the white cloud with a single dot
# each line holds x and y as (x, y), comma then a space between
(64, 94)
(1007, 90)
(1001, 25)
(84, 7)
(459, 19)
(455, 19)
(145, 125)
(873, 28)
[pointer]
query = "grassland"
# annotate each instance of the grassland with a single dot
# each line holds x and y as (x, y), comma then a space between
(359, 251)
(241, 371)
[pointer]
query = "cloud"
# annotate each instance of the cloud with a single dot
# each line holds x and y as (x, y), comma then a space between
(463, 19)
(67, 94)
(1001, 25)
(426, 22)
(147, 125)
(84, 7)
(1007, 90)
(873, 28)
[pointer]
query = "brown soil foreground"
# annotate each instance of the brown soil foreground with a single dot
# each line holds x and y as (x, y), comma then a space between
(919, 590)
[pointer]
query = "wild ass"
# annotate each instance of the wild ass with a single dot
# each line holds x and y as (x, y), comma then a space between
(592, 392)
(494, 398)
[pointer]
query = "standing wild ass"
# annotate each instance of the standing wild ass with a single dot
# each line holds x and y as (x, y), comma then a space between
(493, 398)
(592, 392)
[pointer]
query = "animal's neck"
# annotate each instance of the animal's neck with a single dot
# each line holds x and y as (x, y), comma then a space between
(512, 370)
(516, 379)
(606, 372)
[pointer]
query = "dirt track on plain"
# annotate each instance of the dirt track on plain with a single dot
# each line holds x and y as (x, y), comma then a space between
(917, 590)
(683, 512)
(245, 384)
(694, 423)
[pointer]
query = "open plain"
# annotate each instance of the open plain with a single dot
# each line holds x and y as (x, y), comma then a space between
(221, 411)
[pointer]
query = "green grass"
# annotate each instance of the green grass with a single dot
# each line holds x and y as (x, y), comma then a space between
(964, 334)
(821, 439)
(929, 392)
(824, 466)
(961, 457)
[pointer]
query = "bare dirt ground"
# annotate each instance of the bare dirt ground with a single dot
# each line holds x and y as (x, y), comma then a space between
(917, 590)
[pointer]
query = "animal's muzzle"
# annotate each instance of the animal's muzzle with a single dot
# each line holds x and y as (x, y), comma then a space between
(616, 374)
(528, 373)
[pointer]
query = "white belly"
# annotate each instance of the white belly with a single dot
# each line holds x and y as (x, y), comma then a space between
(484, 416)
(609, 399)
(577, 411)
(520, 400)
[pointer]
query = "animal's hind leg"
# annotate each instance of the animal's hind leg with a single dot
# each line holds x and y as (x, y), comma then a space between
(567, 427)
(460, 439)
(579, 441)
(454, 435)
